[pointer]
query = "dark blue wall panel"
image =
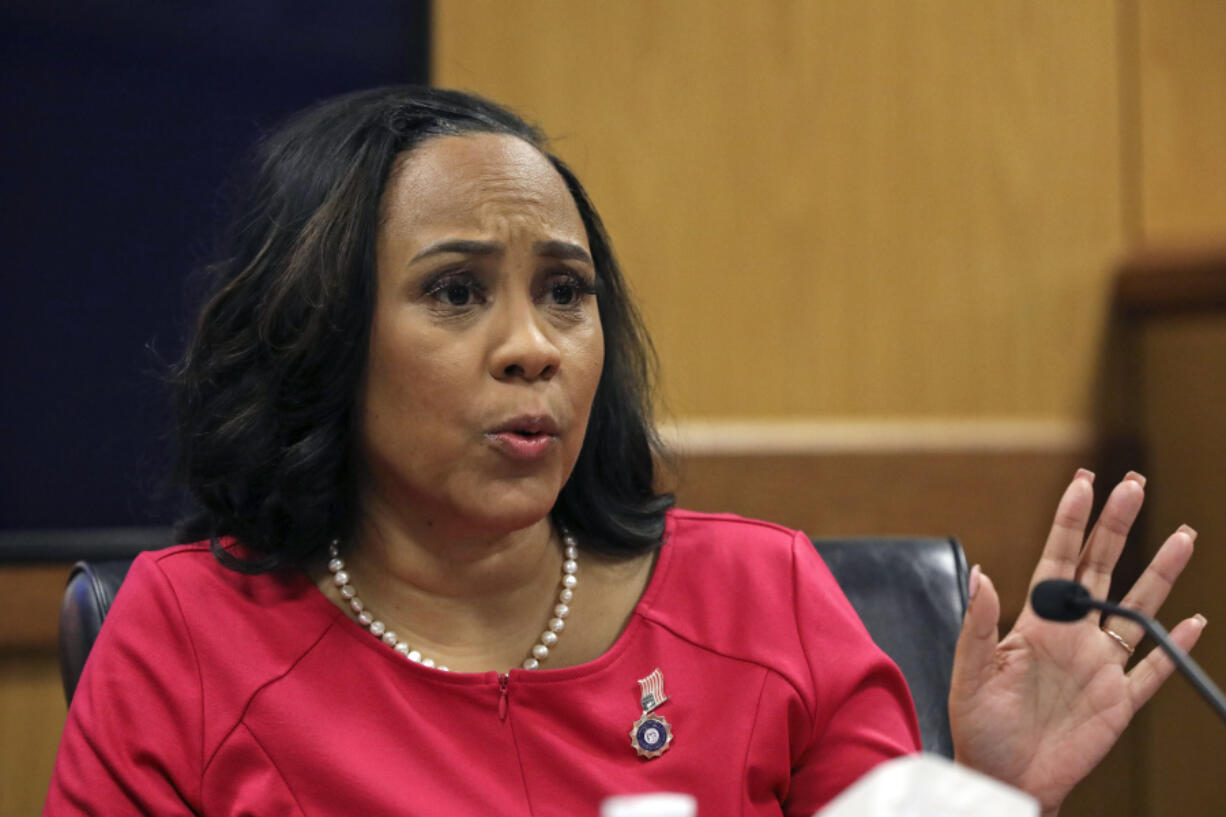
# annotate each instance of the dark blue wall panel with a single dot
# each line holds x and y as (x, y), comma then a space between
(121, 121)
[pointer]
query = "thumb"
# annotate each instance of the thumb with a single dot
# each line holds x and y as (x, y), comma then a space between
(977, 642)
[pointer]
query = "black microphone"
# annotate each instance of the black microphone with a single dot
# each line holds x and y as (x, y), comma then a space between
(1065, 600)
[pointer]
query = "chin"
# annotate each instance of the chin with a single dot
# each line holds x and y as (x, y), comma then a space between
(509, 510)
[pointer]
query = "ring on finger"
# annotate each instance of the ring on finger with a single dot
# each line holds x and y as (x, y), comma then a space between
(1119, 639)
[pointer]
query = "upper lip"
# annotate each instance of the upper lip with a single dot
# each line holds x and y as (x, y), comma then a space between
(528, 424)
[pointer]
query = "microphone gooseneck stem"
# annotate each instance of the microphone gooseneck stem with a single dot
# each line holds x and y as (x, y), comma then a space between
(1191, 670)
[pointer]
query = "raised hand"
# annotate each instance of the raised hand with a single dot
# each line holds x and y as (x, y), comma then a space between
(1040, 708)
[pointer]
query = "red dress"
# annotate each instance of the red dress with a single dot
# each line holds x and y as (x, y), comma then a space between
(215, 693)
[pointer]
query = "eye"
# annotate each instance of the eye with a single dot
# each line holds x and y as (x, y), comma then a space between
(564, 293)
(568, 290)
(456, 294)
(456, 291)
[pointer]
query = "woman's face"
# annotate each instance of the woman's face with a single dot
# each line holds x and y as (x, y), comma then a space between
(486, 345)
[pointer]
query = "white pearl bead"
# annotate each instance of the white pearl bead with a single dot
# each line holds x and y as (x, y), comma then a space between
(540, 651)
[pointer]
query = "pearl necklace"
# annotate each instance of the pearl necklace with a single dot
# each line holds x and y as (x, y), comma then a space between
(539, 652)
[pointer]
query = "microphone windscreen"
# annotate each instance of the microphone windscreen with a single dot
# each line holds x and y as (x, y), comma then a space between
(1060, 600)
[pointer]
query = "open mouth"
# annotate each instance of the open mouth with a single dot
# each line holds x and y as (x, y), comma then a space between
(525, 438)
(529, 426)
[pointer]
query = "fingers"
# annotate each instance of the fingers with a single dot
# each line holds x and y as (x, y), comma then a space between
(1147, 676)
(1106, 541)
(1152, 588)
(977, 642)
(1063, 547)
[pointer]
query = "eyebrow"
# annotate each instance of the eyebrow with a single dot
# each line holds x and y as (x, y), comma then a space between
(561, 250)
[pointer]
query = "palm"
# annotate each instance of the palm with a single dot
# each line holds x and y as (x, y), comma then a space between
(1041, 707)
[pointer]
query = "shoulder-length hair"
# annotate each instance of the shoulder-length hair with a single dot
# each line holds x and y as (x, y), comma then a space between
(267, 390)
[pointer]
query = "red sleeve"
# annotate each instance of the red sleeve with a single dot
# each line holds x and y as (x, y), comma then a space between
(133, 740)
(863, 713)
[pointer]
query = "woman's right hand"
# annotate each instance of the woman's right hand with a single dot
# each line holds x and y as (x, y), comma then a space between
(1040, 708)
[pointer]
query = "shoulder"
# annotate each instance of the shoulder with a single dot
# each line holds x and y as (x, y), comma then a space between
(760, 592)
(227, 633)
(762, 563)
(725, 547)
(276, 614)
(749, 588)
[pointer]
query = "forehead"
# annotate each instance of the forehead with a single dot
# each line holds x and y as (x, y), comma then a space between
(486, 185)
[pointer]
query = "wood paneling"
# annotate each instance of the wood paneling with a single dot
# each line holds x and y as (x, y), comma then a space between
(998, 503)
(32, 715)
(876, 208)
(30, 605)
(32, 708)
(1171, 283)
(1184, 371)
(1182, 119)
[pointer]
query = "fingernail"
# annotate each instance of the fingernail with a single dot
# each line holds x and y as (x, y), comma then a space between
(1084, 473)
(973, 583)
(1203, 621)
(1135, 477)
(1189, 530)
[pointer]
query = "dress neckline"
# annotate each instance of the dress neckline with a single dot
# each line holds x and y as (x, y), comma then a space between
(652, 590)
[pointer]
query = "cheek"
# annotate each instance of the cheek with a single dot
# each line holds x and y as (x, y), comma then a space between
(588, 366)
(412, 381)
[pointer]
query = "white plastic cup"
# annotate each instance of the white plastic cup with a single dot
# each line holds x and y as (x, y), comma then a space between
(657, 804)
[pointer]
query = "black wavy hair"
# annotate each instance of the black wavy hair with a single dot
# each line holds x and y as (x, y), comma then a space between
(265, 394)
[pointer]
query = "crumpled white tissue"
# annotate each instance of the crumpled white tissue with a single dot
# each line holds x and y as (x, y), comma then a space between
(929, 786)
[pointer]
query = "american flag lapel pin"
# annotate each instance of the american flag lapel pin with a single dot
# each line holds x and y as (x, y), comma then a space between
(651, 734)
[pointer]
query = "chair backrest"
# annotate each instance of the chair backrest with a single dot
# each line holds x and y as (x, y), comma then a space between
(909, 592)
(91, 589)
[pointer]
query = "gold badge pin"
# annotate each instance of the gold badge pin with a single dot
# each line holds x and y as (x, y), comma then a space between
(651, 734)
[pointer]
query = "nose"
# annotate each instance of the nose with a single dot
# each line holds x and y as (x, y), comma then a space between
(524, 349)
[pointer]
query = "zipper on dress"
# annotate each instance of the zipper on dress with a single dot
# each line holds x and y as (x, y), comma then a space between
(503, 680)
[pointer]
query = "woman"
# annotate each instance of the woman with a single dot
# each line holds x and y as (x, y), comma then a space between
(416, 414)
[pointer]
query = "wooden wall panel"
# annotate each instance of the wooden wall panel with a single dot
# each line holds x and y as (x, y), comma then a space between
(1182, 120)
(32, 716)
(1184, 370)
(830, 209)
(32, 708)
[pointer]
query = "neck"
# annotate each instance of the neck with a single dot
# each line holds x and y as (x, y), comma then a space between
(451, 564)
(469, 598)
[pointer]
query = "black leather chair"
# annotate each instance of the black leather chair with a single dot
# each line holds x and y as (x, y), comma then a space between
(91, 589)
(910, 593)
